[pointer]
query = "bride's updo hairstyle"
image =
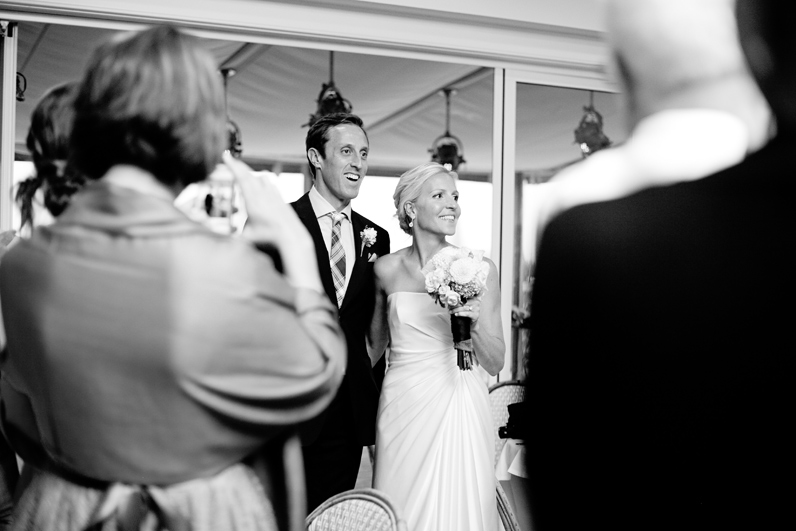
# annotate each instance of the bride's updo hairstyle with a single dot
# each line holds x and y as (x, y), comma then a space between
(154, 100)
(408, 189)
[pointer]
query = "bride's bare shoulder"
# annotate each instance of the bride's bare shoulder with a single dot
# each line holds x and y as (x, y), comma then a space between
(392, 259)
(388, 265)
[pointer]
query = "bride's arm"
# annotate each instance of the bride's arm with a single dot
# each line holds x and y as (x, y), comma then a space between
(486, 328)
(379, 332)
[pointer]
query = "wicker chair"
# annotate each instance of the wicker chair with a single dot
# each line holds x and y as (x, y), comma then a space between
(500, 396)
(356, 510)
(280, 468)
(507, 517)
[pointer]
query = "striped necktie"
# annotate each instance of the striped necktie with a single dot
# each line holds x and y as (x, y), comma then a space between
(337, 257)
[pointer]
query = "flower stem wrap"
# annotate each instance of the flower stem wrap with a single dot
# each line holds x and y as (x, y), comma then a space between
(452, 276)
(460, 327)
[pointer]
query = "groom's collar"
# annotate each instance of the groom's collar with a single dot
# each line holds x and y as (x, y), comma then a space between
(322, 207)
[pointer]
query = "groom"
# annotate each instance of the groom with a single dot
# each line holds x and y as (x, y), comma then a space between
(346, 245)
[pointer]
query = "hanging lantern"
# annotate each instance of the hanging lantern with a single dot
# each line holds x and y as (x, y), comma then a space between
(234, 137)
(22, 85)
(589, 135)
(330, 100)
(447, 149)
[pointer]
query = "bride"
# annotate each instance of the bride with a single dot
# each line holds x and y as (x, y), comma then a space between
(434, 441)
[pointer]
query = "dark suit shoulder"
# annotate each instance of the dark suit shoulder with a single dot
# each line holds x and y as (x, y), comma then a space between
(658, 214)
(365, 221)
(302, 203)
(742, 193)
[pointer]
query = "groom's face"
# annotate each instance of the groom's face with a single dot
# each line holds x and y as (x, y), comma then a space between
(340, 172)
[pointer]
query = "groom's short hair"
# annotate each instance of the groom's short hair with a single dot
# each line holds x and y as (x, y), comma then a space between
(318, 134)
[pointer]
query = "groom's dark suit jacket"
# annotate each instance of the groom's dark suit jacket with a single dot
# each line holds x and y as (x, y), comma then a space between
(662, 368)
(358, 395)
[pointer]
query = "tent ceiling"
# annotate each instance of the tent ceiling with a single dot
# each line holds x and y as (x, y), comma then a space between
(275, 88)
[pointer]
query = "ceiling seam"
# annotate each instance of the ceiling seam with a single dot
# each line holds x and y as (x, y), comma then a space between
(36, 43)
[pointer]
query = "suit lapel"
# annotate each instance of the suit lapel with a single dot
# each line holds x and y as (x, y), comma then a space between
(307, 216)
(357, 280)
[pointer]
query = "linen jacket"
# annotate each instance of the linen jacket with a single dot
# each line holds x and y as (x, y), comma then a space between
(144, 348)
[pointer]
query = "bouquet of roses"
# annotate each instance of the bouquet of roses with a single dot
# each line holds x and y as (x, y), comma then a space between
(452, 277)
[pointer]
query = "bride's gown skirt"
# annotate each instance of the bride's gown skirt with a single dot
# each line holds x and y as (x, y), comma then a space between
(434, 442)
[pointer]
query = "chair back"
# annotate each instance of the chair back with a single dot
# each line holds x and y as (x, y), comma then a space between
(280, 468)
(507, 516)
(500, 396)
(356, 510)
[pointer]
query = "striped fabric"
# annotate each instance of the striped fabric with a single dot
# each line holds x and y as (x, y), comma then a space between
(232, 500)
(337, 257)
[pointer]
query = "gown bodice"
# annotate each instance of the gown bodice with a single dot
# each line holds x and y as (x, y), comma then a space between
(420, 330)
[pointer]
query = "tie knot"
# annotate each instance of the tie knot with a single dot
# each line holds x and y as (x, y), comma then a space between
(338, 217)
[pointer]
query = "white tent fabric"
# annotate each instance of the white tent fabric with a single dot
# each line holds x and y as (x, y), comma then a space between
(275, 88)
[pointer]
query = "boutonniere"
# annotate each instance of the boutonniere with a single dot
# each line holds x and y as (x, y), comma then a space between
(368, 236)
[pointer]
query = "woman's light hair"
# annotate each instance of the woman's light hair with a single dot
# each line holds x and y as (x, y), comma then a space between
(408, 189)
(152, 99)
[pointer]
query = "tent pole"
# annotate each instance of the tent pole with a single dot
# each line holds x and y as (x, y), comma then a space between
(8, 92)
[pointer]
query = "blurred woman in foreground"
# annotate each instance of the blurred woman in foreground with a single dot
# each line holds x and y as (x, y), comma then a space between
(147, 357)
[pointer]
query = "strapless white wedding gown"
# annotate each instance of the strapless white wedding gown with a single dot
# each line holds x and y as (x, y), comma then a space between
(434, 441)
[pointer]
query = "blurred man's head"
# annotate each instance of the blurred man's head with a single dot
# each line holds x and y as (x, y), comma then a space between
(768, 38)
(681, 54)
(152, 99)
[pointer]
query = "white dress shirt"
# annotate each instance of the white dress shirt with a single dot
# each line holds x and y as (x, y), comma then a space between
(322, 210)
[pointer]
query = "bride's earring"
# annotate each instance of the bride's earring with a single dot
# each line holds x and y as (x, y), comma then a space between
(409, 215)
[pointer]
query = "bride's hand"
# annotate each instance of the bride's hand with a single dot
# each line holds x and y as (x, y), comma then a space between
(471, 310)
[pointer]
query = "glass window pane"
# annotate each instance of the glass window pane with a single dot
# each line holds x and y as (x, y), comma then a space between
(547, 118)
